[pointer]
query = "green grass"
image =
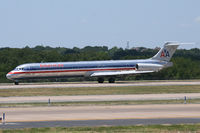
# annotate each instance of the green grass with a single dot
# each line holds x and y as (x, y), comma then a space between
(101, 103)
(119, 129)
(99, 90)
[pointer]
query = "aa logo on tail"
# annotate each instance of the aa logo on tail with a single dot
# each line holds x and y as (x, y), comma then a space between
(165, 53)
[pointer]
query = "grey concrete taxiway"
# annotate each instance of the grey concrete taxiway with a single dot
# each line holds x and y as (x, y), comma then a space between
(54, 113)
(91, 84)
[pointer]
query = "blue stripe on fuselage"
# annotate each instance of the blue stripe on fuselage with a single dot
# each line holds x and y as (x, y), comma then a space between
(87, 64)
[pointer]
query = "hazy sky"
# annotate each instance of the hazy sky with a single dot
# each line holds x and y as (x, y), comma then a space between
(69, 23)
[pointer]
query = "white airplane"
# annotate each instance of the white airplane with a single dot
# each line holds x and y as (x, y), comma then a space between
(99, 69)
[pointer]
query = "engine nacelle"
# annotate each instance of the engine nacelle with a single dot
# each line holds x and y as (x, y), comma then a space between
(148, 67)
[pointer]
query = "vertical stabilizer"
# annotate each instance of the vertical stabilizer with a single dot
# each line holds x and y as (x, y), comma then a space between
(166, 53)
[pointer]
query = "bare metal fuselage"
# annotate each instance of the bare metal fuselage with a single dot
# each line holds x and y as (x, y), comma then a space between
(74, 69)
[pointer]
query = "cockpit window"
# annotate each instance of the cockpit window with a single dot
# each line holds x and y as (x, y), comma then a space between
(19, 68)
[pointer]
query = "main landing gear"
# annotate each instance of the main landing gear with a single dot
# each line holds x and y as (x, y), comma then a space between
(100, 80)
(16, 83)
(110, 80)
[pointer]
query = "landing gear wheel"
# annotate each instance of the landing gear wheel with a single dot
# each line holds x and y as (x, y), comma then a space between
(16, 83)
(111, 80)
(100, 80)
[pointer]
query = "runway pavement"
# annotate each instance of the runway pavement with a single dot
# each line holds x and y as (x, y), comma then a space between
(89, 123)
(117, 84)
(63, 113)
(68, 116)
(92, 98)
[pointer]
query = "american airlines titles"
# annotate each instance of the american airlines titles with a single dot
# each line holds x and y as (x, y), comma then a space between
(51, 65)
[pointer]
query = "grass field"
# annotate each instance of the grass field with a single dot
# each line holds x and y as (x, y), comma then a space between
(101, 103)
(100, 90)
(119, 129)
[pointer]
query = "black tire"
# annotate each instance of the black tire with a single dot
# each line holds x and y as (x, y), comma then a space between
(111, 80)
(100, 80)
(16, 83)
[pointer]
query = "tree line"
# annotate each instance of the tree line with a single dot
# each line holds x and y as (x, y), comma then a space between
(186, 62)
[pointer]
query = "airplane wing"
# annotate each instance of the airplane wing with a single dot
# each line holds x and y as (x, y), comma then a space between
(111, 73)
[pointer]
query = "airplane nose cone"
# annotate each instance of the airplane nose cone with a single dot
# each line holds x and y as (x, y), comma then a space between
(8, 76)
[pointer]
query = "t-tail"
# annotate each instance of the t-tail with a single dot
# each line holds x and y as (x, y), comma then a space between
(166, 53)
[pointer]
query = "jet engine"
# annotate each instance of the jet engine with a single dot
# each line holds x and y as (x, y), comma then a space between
(148, 67)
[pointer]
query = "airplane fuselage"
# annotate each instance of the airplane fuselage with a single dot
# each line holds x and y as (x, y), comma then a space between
(74, 69)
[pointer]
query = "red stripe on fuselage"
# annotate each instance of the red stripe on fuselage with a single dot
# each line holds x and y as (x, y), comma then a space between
(78, 70)
(11, 72)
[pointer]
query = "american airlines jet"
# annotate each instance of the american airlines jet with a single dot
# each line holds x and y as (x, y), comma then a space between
(100, 69)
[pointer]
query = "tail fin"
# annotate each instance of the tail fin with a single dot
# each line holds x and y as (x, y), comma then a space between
(166, 53)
